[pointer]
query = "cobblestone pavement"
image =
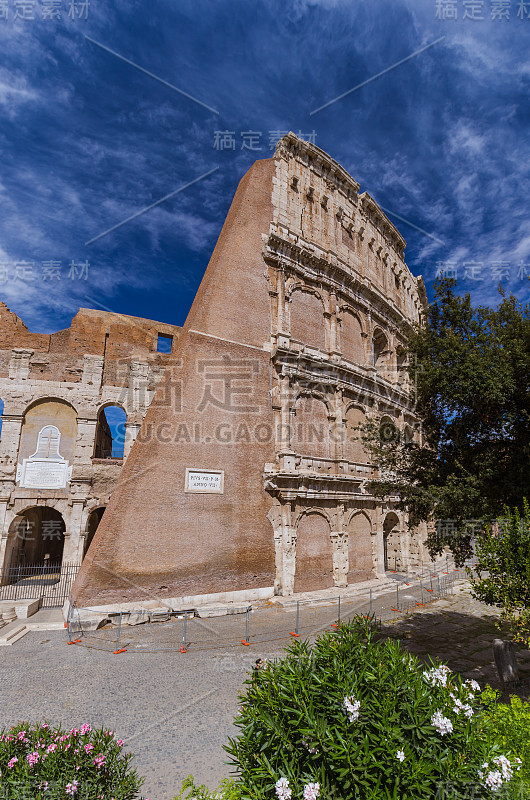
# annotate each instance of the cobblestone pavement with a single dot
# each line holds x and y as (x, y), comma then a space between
(175, 710)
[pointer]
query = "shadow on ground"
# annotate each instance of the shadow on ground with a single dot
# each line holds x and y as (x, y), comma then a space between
(464, 642)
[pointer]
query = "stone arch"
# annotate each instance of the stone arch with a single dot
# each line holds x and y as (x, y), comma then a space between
(307, 317)
(311, 426)
(110, 431)
(353, 446)
(314, 555)
(48, 412)
(380, 348)
(36, 538)
(360, 557)
(392, 542)
(352, 346)
(388, 430)
(94, 518)
(408, 434)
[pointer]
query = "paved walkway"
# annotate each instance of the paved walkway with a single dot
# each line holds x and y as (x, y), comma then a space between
(175, 710)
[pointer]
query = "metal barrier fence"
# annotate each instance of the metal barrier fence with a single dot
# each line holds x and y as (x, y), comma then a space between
(225, 627)
(51, 582)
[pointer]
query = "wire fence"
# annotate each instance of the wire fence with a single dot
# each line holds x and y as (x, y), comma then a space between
(234, 627)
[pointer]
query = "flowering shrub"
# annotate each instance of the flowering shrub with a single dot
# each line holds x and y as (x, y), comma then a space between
(352, 717)
(44, 763)
(510, 725)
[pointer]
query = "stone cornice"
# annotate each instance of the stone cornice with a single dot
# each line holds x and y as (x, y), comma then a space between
(291, 145)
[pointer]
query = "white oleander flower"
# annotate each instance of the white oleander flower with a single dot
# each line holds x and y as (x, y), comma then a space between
(352, 706)
(311, 791)
(437, 676)
(441, 723)
(400, 755)
(283, 792)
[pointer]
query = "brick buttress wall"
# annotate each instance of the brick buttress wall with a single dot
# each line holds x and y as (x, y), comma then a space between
(212, 410)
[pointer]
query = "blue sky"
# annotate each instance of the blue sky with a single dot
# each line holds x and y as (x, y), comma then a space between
(87, 140)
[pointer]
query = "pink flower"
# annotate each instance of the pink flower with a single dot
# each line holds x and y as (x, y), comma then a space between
(51, 748)
(32, 758)
(86, 728)
(71, 788)
(21, 735)
(11, 764)
(89, 747)
(120, 742)
(99, 760)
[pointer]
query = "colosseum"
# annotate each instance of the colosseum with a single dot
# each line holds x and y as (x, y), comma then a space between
(245, 475)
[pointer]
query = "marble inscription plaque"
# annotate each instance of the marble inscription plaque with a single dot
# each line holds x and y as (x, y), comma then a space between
(204, 481)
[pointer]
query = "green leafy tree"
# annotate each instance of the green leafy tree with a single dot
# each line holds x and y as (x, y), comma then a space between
(502, 573)
(469, 370)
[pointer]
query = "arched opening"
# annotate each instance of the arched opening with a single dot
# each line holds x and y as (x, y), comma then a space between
(94, 518)
(379, 348)
(314, 559)
(307, 319)
(36, 539)
(353, 449)
(388, 431)
(392, 542)
(47, 444)
(110, 432)
(351, 338)
(311, 428)
(359, 548)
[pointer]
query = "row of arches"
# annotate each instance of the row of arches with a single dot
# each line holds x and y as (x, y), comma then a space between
(109, 441)
(307, 326)
(36, 537)
(314, 552)
(313, 434)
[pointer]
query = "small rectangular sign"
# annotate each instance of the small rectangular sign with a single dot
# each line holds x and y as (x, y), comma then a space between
(204, 481)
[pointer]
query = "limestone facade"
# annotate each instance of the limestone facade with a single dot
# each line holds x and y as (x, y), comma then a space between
(342, 300)
(57, 471)
(298, 325)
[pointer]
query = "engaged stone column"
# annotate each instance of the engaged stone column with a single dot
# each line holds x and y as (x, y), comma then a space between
(19, 363)
(339, 544)
(380, 553)
(73, 540)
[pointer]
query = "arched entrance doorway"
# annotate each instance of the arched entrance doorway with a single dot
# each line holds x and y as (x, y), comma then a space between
(36, 538)
(359, 548)
(314, 559)
(94, 518)
(392, 542)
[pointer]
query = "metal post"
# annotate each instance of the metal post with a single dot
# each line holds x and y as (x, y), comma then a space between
(421, 587)
(297, 616)
(246, 627)
(119, 630)
(370, 602)
(439, 590)
(397, 596)
(431, 581)
(338, 620)
(184, 632)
